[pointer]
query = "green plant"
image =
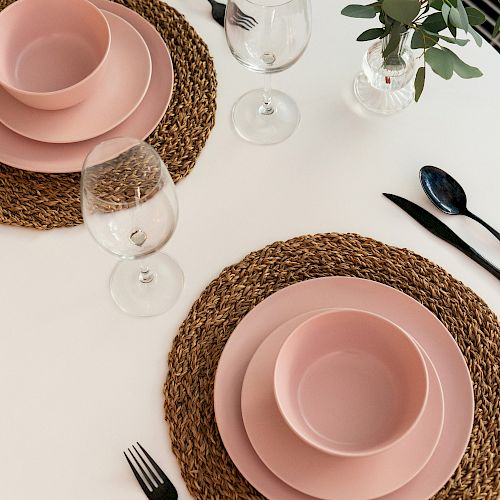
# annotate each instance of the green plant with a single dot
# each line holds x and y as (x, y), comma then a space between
(428, 19)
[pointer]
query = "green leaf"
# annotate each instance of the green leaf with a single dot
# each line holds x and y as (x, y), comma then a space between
(461, 68)
(477, 37)
(360, 11)
(496, 29)
(434, 23)
(417, 40)
(441, 62)
(475, 16)
(394, 39)
(419, 82)
(422, 39)
(437, 4)
(456, 41)
(370, 34)
(463, 15)
(455, 19)
(404, 11)
(445, 12)
(453, 31)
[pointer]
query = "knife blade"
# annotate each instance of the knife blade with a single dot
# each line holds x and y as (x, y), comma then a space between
(441, 230)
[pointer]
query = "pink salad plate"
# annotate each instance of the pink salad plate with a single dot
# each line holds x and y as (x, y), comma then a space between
(125, 80)
(317, 473)
(21, 152)
(347, 293)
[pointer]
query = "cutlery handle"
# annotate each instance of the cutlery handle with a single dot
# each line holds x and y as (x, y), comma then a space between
(470, 252)
(446, 234)
(493, 231)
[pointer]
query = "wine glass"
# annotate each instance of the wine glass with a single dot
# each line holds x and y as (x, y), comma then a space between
(130, 208)
(267, 36)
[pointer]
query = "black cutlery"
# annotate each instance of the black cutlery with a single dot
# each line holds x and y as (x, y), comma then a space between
(156, 486)
(448, 195)
(218, 11)
(436, 227)
(237, 17)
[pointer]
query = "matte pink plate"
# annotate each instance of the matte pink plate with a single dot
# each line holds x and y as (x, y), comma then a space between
(350, 293)
(317, 473)
(125, 80)
(21, 152)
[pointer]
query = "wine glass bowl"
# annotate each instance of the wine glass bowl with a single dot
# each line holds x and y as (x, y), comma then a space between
(273, 37)
(275, 42)
(128, 203)
(130, 208)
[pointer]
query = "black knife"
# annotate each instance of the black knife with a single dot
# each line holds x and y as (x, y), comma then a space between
(441, 230)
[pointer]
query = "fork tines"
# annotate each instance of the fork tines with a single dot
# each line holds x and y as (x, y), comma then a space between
(154, 483)
(239, 18)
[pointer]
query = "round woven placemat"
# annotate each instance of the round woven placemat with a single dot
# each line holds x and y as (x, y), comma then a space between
(46, 201)
(206, 466)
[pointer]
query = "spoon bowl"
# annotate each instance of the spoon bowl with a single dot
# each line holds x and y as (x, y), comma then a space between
(443, 190)
(448, 195)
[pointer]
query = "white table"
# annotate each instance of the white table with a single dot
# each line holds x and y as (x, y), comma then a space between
(79, 380)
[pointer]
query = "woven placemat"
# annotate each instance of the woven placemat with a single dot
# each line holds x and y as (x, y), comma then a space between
(46, 201)
(206, 466)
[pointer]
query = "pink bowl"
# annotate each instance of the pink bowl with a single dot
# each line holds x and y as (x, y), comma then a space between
(52, 51)
(350, 383)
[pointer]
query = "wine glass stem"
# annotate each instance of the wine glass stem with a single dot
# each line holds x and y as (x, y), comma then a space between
(267, 107)
(146, 275)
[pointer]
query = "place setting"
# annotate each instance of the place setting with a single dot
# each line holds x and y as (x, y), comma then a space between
(131, 63)
(293, 385)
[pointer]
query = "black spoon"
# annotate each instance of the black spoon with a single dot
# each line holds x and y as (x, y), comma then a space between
(448, 195)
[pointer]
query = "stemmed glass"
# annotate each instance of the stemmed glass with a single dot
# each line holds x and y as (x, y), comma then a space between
(130, 208)
(267, 36)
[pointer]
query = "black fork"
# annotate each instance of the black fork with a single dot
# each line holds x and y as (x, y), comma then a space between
(237, 17)
(156, 486)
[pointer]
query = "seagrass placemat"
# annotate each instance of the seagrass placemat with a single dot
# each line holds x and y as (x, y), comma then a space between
(206, 466)
(46, 201)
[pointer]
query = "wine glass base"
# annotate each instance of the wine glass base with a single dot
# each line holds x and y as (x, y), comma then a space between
(260, 128)
(146, 299)
(379, 101)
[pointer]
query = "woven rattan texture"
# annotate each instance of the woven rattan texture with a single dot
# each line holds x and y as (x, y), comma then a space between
(206, 466)
(46, 201)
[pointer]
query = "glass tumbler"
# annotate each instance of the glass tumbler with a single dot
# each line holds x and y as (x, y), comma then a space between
(130, 207)
(267, 36)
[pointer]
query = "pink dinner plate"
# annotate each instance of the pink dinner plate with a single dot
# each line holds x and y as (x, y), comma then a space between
(349, 293)
(312, 471)
(126, 77)
(21, 152)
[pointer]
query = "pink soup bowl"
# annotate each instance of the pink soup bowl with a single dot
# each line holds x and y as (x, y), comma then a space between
(350, 383)
(52, 51)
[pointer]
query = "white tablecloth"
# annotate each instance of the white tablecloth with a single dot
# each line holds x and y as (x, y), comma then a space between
(80, 381)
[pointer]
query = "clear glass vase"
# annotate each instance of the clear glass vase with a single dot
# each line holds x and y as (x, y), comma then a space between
(386, 86)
